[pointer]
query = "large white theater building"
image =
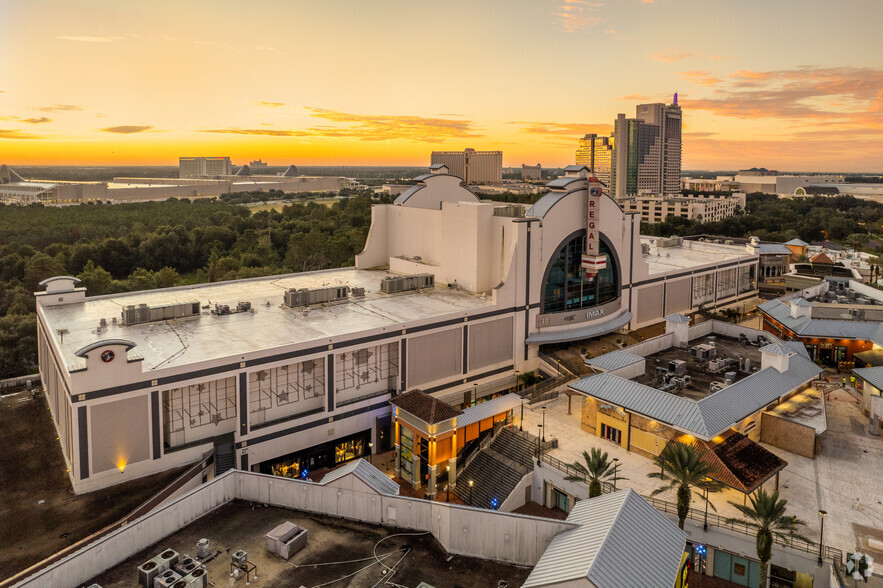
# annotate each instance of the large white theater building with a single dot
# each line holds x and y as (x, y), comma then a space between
(289, 373)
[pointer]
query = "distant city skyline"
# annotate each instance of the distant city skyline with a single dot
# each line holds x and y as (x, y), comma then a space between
(795, 84)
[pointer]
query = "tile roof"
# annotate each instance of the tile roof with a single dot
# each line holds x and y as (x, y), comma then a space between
(821, 258)
(609, 526)
(425, 407)
(737, 461)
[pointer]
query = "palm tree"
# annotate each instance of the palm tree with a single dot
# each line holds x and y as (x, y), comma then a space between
(767, 515)
(684, 471)
(598, 468)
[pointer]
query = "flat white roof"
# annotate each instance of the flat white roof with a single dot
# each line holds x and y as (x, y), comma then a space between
(188, 340)
(690, 254)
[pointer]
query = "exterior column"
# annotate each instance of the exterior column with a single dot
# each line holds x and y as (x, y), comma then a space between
(398, 449)
(430, 487)
(415, 467)
(452, 474)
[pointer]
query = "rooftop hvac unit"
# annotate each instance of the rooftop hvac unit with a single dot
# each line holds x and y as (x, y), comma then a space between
(306, 297)
(729, 378)
(677, 366)
(147, 572)
(703, 352)
(185, 565)
(239, 558)
(286, 540)
(203, 549)
(395, 284)
(133, 315)
(645, 248)
(168, 558)
(166, 579)
(357, 291)
(198, 578)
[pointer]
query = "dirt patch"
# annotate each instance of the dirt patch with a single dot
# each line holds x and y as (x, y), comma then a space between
(36, 494)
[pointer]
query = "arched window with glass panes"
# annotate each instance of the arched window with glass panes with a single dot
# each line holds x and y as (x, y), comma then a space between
(566, 286)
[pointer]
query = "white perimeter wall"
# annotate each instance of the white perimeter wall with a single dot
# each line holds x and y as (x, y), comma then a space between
(461, 530)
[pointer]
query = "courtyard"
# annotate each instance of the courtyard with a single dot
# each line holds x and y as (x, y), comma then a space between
(842, 480)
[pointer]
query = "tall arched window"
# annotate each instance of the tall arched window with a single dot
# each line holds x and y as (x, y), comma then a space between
(568, 288)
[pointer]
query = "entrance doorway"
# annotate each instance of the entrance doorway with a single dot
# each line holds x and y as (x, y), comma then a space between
(611, 433)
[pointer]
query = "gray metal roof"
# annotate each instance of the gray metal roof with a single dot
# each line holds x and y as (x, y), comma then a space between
(825, 328)
(711, 415)
(773, 248)
(403, 197)
(592, 330)
(438, 166)
(577, 167)
(614, 360)
(799, 301)
(611, 526)
(797, 243)
(367, 473)
(777, 348)
(564, 182)
(799, 348)
(486, 410)
(871, 375)
(677, 318)
(542, 206)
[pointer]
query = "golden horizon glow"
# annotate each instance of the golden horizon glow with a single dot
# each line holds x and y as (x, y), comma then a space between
(97, 82)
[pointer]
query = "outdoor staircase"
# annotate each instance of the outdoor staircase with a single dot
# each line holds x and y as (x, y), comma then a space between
(497, 469)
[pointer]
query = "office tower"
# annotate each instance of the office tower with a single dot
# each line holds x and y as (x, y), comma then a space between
(596, 153)
(201, 167)
(647, 153)
(474, 167)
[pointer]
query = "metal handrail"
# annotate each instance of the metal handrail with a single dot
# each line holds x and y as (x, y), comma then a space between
(715, 520)
(484, 444)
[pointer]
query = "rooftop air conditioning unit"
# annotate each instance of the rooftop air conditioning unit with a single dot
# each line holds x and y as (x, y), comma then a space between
(166, 579)
(239, 558)
(203, 549)
(148, 571)
(677, 366)
(168, 558)
(197, 578)
(185, 565)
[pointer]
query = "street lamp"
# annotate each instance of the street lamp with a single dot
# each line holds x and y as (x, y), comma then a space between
(544, 424)
(521, 422)
(822, 514)
(539, 445)
(705, 524)
(516, 380)
(370, 453)
(470, 492)
(448, 486)
(615, 468)
(474, 394)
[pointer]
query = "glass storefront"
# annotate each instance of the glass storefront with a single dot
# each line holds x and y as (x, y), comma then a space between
(326, 455)
(568, 288)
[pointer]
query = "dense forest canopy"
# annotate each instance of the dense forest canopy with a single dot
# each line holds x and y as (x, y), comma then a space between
(128, 247)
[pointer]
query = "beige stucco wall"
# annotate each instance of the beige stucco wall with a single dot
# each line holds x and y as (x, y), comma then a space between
(788, 435)
(119, 433)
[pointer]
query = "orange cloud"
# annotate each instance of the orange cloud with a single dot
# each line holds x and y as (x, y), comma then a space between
(826, 96)
(127, 129)
(15, 134)
(574, 15)
(670, 56)
(270, 104)
(565, 129)
(371, 128)
(701, 77)
(59, 108)
(42, 119)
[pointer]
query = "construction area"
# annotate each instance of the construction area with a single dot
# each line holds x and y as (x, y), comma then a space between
(704, 366)
(332, 551)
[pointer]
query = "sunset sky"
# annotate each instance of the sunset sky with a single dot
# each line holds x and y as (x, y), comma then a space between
(785, 84)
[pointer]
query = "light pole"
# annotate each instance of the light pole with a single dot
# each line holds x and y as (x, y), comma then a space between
(474, 394)
(700, 568)
(822, 514)
(448, 486)
(470, 492)
(370, 453)
(544, 424)
(521, 422)
(705, 524)
(615, 468)
(539, 445)
(516, 381)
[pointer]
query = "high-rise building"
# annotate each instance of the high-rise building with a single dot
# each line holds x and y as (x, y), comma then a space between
(474, 167)
(647, 151)
(596, 153)
(531, 172)
(204, 167)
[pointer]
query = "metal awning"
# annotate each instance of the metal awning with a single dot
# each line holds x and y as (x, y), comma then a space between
(581, 332)
(488, 409)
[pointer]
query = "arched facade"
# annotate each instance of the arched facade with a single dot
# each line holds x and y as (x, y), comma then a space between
(565, 285)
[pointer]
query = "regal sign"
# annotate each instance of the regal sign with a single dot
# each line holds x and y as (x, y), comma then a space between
(592, 260)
